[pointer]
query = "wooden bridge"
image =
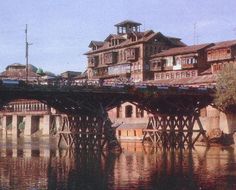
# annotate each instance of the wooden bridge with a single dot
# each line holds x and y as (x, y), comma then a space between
(87, 126)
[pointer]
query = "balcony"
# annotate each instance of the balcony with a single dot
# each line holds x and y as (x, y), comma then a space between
(167, 68)
(131, 54)
(110, 58)
(188, 66)
(156, 68)
(93, 61)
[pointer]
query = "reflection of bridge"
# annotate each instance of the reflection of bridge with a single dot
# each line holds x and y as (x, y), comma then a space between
(88, 126)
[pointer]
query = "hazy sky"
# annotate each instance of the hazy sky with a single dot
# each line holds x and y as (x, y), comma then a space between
(61, 30)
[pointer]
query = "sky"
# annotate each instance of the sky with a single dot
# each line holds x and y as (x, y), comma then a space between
(61, 30)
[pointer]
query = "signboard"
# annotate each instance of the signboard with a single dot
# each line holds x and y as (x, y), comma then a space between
(119, 69)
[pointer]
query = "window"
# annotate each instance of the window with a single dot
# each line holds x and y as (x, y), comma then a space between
(193, 73)
(177, 75)
(151, 50)
(155, 49)
(187, 74)
(139, 66)
(167, 76)
(182, 74)
(139, 112)
(157, 76)
(128, 111)
(162, 75)
(118, 112)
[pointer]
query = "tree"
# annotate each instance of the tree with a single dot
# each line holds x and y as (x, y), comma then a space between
(225, 98)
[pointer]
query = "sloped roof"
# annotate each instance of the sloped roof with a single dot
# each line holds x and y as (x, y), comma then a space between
(176, 41)
(18, 74)
(96, 43)
(172, 40)
(191, 81)
(15, 65)
(115, 36)
(182, 50)
(142, 37)
(223, 44)
(125, 22)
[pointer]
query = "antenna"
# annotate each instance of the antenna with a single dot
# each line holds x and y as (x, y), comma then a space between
(27, 44)
(144, 26)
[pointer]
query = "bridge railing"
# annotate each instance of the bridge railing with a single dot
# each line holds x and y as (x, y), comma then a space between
(25, 107)
(99, 83)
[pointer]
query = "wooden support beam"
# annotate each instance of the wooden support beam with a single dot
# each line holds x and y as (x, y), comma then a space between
(173, 130)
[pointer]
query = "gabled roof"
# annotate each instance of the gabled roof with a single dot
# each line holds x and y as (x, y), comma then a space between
(176, 41)
(96, 43)
(223, 44)
(115, 36)
(183, 50)
(172, 40)
(142, 38)
(126, 22)
(15, 65)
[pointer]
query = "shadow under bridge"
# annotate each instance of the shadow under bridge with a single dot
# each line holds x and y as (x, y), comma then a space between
(87, 125)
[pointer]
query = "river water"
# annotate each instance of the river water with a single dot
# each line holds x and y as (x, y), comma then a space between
(33, 164)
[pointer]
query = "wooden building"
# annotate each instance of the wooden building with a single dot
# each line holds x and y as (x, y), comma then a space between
(179, 63)
(126, 54)
(220, 54)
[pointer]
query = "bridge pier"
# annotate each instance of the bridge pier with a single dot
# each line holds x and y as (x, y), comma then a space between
(88, 132)
(28, 125)
(173, 130)
(14, 126)
(4, 125)
(46, 124)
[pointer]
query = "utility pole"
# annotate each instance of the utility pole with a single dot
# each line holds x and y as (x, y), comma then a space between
(27, 53)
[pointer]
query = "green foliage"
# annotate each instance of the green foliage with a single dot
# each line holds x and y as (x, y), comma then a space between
(22, 126)
(225, 98)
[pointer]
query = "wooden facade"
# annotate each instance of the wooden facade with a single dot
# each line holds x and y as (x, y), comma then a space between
(221, 54)
(177, 63)
(127, 52)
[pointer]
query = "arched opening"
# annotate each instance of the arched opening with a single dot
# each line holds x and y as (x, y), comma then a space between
(128, 111)
(139, 112)
(118, 111)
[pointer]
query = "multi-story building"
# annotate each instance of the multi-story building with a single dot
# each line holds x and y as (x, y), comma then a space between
(181, 62)
(220, 54)
(126, 54)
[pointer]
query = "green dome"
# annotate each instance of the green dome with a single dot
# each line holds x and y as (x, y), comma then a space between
(40, 71)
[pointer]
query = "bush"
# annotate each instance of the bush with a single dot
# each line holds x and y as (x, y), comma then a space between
(225, 98)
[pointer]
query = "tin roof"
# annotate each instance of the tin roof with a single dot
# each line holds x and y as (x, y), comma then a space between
(182, 50)
(96, 43)
(223, 44)
(191, 81)
(126, 22)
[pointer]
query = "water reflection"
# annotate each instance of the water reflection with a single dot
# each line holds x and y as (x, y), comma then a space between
(33, 163)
